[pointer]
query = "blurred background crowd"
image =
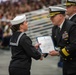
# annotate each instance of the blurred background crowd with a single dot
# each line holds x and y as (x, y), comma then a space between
(10, 8)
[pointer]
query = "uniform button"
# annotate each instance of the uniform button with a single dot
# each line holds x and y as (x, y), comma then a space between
(55, 36)
(65, 59)
(70, 58)
(67, 42)
(67, 50)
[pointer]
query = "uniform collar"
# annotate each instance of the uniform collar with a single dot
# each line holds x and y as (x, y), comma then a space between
(72, 16)
(61, 24)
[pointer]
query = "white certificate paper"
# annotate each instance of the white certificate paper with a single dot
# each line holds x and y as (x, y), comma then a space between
(46, 44)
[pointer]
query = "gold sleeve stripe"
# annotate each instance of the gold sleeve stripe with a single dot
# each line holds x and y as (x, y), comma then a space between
(65, 52)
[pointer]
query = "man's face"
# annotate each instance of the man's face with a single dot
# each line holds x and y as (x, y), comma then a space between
(55, 19)
(70, 10)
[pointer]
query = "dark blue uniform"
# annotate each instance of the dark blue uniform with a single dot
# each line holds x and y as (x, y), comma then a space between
(73, 19)
(66, 41)
(22, 50)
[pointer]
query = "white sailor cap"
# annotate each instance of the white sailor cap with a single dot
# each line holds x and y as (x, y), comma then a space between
(18, 19)
(70, 3)
(56, 10)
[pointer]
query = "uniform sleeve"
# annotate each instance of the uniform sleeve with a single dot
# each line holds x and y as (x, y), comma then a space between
(30, 50)
(70, 49)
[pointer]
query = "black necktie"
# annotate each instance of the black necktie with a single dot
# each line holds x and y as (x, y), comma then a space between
(58, 30)
(58, 33)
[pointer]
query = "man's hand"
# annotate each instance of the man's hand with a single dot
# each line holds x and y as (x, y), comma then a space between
(54, 53)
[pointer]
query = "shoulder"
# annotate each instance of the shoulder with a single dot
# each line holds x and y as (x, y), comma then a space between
(25, 39)
(69, 24)
(54, 27)
(24, 36)
(17, 37)
(74, 18)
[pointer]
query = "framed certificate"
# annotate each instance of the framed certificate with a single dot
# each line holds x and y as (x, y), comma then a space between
(46, 44)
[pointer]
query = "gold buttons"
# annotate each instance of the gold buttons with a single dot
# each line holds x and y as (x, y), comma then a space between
(55, 36)
(65, 59)
(70, 58)
(67, 50)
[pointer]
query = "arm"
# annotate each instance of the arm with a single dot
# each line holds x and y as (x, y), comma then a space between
(30, 50)
(70, 49)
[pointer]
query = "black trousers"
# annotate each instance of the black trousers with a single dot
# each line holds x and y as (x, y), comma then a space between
(18, 71)
(69, 67)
